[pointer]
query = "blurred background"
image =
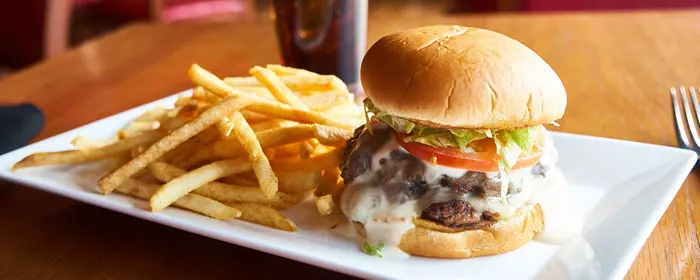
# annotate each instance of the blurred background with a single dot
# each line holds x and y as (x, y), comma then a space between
(34, 30)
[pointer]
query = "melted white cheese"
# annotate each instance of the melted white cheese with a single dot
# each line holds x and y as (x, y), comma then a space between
(560, 224)
(384, 222)
(344, 228)
(449, 171)
(521, 178)
(384, 152)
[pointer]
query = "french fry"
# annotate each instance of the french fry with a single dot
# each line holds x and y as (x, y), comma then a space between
(329, 183)
(202, 95)
(220, 191)
(277, 87)
(283, 111)
(90, 155)
(250, 175)
(273, 123)
(175, 138)
(155, 114)
(261, 165)
(243, 82)
(193, 202)
(240, 180)
(289, 150)
(322, 149)
(324, 205)
(264, 215)
(289, 71)
(205, 137)
(331, 136)
(182, 185)
(291, 182)
(297, 83)
(270, 153)
(320, 101)
(307, 148)
(172, 113)
(199, 94)
(311, 77)
(137, 127)
(86, 143)
(228, 148)
(188, 111)
(327, 194)
(136, 151)
(298, 182)
(172, 123)
(208, 206)
(212, 83)
(117, 161)
(182, 100)
(315, 100)
(225, 126)
(320, 162)
(260, 91)
(282, 93)
(347, 109)
(254, 117)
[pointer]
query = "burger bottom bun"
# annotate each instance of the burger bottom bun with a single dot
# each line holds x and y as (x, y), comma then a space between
(429, 239)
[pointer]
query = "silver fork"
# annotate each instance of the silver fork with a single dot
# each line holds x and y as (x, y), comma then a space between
(691, 117)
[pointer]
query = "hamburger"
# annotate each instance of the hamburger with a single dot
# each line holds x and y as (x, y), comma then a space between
(455, 154)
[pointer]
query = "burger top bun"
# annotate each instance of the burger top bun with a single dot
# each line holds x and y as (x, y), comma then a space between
(461, 77)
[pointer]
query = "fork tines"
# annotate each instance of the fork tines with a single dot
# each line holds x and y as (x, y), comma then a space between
(691, 117)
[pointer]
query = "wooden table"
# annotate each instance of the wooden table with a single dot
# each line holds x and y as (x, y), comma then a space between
(617, 68)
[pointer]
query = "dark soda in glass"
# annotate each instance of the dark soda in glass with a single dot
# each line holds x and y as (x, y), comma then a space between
(324, 36)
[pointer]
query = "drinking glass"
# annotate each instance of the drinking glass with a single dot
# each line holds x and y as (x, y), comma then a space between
(323, 36)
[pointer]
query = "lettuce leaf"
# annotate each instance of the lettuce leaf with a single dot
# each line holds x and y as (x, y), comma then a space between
(373, 250)
(508, 149)
(437, 137)
(465, 136)
(398, 124)
(524, 137)
(509, 143)
(435, 140)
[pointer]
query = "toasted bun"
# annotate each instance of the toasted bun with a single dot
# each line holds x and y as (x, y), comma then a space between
(429, 239)
(462, 77)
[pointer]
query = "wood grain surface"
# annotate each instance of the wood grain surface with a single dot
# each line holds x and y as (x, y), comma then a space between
(617, 68)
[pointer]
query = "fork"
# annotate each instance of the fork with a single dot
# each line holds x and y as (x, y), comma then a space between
(691, 117)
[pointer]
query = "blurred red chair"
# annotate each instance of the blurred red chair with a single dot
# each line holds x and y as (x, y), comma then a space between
(172, 10)
(177, 10)
(32, 30)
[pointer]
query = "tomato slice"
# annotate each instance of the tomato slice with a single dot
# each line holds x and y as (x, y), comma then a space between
(485, 159)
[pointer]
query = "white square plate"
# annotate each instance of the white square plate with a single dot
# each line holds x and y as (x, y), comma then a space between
(621, 195)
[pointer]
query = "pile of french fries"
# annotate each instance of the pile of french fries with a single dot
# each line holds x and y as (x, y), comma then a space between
(238, 148)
